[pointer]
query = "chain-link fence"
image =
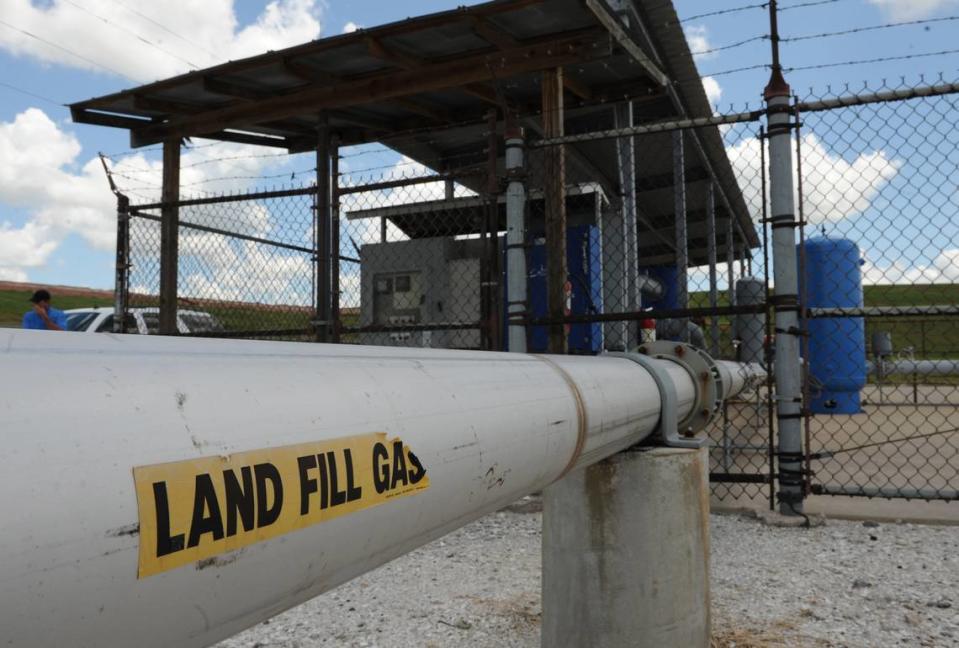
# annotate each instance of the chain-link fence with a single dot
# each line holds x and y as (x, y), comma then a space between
(245, 265)
(667, 235)
(881, 266)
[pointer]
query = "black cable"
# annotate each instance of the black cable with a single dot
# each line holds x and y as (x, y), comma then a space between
(214, 55)
(33, 94)
(884, 59)
(64, 49)
(803, 5)
(723, 12)
(730, 46)
(858, 30)
(133, 33)
(830, 453)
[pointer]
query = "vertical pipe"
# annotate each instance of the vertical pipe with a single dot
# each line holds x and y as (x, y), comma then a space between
(169, 236)
(554, 190)
(494, 319)
(121, 284)
(515, 240)
(323, 239)
(621, 241)
(713, 284)
(786, 284)
(335, 240)
(679, 204)
(730, 263)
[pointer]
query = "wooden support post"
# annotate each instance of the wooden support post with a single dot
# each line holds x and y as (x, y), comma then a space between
(169, 237)
(554, 194)
(323, 239)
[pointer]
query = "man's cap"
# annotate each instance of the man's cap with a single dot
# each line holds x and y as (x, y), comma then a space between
(40, 295)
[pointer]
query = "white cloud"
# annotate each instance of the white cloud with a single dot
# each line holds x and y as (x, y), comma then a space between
(714, 91)
(833, 188)
(912, 9)
(206, 33)
(944, 269)
(42, 174)
(351, 27)
(698, 38)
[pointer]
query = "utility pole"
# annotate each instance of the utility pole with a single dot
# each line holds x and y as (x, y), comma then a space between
(783, 222)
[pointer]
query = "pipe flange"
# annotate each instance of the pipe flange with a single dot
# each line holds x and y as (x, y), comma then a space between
(705, 375)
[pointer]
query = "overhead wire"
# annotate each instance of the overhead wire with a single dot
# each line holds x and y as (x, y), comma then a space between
(68, 51)
(882, 59)
(214, 55)
(132, 33)
(859, 30)
(54, 102)
(723, 12)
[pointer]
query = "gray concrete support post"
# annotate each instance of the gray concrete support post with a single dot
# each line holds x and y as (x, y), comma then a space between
(626, 552)
(516, 302)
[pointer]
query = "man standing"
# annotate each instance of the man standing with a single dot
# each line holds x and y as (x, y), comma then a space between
(44, 316)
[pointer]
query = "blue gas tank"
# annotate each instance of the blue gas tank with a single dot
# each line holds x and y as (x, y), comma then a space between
(837, 345)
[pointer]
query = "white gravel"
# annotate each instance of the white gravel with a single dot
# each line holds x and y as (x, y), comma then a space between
(845, 584)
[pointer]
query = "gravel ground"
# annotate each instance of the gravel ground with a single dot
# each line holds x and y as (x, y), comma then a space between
(850, 584)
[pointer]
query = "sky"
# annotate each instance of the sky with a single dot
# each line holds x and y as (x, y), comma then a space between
(57, 215)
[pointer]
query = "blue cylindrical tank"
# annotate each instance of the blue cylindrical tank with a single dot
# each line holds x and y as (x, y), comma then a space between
(837, 345)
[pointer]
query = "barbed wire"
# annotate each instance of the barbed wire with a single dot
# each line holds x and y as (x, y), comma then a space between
(882, 59)
(803, 5)
(730, 46)
(723, 12)
(859, 30)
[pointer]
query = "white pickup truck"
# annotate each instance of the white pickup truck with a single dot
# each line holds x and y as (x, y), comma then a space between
(145, 321)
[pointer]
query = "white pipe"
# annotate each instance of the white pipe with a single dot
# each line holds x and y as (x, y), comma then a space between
(943, 367)
(517, 303)
(81, 412)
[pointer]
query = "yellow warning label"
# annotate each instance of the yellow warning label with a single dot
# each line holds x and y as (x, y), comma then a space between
(198, 508)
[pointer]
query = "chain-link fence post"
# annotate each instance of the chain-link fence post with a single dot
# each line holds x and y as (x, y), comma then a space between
(336, 253)
(323, 238)
(169, 237)
(121, 287)
(786, 284)
(516, 300)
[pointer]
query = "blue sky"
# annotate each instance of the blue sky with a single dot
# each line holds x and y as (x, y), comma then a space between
(55, 207)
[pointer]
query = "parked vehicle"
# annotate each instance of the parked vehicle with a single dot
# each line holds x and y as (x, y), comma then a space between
(145, 321)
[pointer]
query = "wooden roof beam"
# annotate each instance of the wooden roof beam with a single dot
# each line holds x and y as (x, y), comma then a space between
(503, 41)
(567, 49)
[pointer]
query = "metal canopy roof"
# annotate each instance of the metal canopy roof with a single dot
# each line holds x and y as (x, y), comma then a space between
(423, 86)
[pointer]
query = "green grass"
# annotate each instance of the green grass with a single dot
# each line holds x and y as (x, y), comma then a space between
(14, 303)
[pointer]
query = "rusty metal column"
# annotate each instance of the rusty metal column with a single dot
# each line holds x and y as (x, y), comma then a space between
(322, 224)
(554, 199)
(335, 323)
(679, 208)
(121, 283)
(169, 236)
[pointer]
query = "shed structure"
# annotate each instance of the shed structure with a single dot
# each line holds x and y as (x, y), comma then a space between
(432, 87)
